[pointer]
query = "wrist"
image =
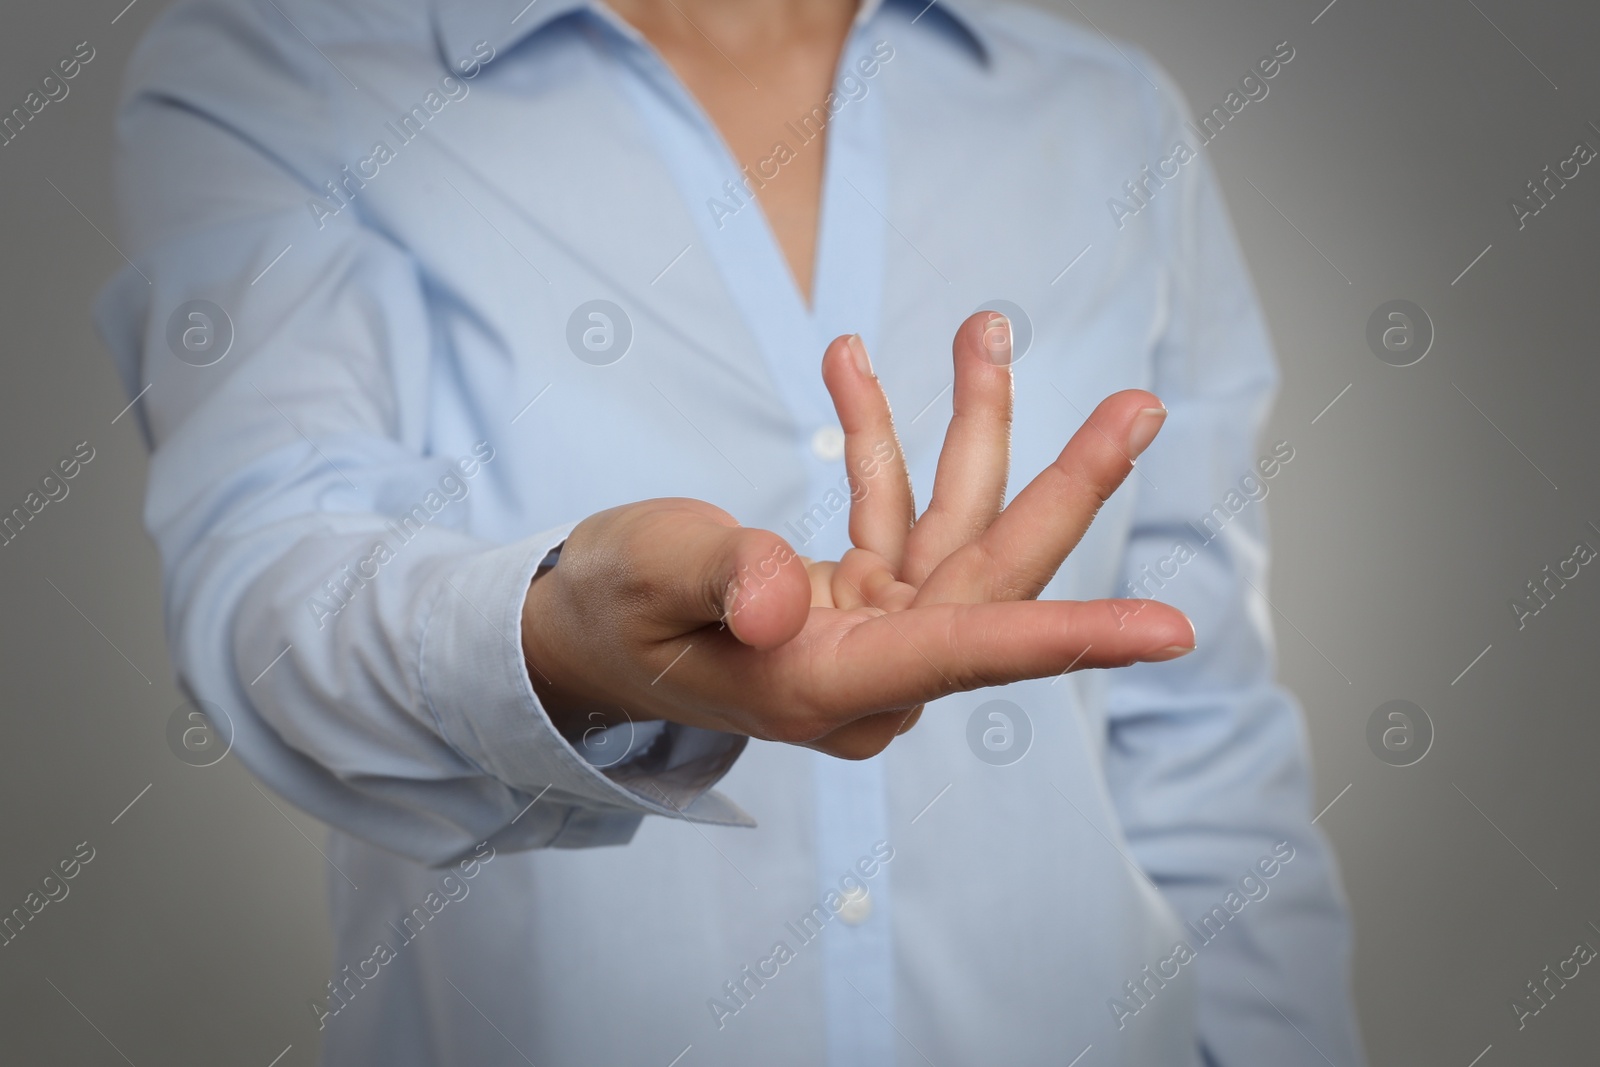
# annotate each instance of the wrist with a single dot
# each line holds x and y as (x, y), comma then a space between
(560, 688)
(540, 617)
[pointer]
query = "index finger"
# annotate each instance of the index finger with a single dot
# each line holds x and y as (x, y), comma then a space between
(881, 505)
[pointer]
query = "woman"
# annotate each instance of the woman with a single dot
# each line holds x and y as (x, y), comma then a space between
(502, 505)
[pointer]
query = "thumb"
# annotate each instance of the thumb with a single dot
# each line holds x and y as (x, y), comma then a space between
(750, 580)
(760, 585)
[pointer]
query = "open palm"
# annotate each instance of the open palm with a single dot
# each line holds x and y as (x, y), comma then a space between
(677, 612)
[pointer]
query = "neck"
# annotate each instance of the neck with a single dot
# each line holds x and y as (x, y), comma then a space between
(736, 23)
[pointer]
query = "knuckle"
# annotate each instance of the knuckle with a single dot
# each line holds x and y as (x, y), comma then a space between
(1009, 587)
(1090, 483)
(966, 671)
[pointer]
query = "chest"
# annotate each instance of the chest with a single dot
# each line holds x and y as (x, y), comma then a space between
(757, 99)
(620, 339)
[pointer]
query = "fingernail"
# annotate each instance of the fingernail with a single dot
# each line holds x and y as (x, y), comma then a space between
(1170, 652)
(1146, 425)
(997, 339)
(859, 351)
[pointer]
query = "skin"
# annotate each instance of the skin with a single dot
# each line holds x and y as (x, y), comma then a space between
(669, 609)
(752, 65)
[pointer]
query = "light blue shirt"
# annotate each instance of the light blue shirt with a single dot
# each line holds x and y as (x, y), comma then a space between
(396, 395)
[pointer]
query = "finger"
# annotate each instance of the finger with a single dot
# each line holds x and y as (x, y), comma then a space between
(866, 737)
(850, 665)
(821, 576)
(1026, 545)
(970, 485)
(905, 658)
(881, 506)
(863, 579)
(694, 565)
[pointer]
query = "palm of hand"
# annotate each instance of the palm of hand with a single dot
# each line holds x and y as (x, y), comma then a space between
(948, 581)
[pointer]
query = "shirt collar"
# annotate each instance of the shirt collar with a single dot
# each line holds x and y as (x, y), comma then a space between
(463, 24)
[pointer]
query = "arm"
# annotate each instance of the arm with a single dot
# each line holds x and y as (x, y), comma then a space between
(398, 682)
(401, 709)
(1207, 757)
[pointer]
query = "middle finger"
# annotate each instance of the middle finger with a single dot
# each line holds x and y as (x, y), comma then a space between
(970, 485)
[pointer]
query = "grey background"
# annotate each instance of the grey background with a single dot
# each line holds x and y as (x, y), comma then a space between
(1405, 524)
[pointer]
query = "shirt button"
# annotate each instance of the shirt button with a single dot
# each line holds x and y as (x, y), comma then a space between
(827, 444)
(856, 909)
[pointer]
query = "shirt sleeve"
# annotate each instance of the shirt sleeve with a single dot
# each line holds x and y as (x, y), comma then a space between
(324, 589)
(1206, 756)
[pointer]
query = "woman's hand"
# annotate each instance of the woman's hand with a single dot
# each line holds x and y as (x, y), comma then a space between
(669, 609)
(959, 550)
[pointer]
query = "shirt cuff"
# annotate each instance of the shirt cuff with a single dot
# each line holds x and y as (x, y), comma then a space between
(474, 681)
